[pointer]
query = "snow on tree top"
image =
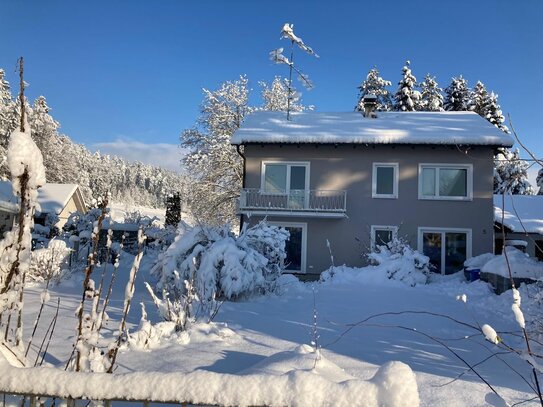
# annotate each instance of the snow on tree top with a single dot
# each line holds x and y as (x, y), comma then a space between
(388, 128)
(528, 209)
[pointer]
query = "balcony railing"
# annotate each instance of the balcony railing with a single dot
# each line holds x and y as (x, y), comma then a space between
(315, 201)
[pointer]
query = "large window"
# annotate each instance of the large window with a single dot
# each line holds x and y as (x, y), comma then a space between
(295, 246)
(385, 180)
(445, 181)
(447, 249)
(382, 235)
(289, 179)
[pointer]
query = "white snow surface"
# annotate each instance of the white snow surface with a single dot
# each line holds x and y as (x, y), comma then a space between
(448, 128)
(522, 266)
(305, 383)
(522, 213)
(255, 348)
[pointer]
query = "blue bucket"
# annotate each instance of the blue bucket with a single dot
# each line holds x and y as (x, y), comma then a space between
(474, 274)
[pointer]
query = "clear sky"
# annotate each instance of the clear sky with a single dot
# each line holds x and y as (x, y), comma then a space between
(131, 72)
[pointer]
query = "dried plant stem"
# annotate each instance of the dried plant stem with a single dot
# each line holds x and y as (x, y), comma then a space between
(128, 300)
(42, 305)
(54, 324)
(88, 271)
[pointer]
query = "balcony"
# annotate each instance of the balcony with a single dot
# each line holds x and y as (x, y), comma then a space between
(308, 203)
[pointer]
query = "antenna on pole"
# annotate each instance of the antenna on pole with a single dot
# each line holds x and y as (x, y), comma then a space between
(20, 62)
(277, 56)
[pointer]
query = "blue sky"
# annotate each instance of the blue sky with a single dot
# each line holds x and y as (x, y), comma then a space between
(131, 72)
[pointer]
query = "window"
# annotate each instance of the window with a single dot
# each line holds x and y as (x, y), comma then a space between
(384, 180)
(295, 246)
(445, 181)
(381, 235)
(288, 179)
(447, 249)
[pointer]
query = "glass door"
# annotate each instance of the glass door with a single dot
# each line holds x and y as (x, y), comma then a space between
(297, 187)
(293, 248)
(447, 250)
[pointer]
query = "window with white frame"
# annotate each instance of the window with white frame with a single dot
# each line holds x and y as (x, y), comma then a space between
(382, 235)
(446, 181)
(288, 181)
(447, 248)
(282, 177)
(384, 180)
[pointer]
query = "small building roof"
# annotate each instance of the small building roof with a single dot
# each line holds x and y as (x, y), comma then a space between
(52, 198)
(8, 202)
(522, 213)
(448, 128)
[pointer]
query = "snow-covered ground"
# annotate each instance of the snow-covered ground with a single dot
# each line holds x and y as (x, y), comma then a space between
(267, 334)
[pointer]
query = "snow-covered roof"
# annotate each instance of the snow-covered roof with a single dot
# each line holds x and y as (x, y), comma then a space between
(467, 128)
(529, 209)
(51, 197)
(8, 202)
(54, 197)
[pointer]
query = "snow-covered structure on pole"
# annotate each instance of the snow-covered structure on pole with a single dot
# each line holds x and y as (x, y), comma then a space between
(358, 179)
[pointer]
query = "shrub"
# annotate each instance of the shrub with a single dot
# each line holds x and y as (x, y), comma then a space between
(401, 262)
(208, 263)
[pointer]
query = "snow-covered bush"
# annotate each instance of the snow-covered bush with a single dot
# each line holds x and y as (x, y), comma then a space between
(208, 263)
(401, 261)
(50, 262)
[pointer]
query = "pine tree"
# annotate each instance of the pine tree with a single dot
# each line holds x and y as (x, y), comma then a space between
(375, 85)
(494, 113)
(457, 95)
(431, 95)
(407, 99)
(539, 181)
(479, 99)
(275, 96)
(511, 174)
(173, 209)
(7, 108)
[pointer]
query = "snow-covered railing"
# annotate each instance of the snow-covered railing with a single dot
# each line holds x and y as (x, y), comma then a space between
(315, 200)
(393, 385)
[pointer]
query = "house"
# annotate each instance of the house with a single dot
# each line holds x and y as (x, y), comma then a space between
(8, 207)
(356, 181)
(58, 199)
(61, 200)
(522, 219)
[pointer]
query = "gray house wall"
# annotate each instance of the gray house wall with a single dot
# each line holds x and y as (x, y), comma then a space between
(349, 167)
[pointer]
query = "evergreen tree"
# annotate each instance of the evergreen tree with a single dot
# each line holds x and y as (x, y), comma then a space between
(173, 209)
(539, 181)
(511, 174)
(494, 113)
(479, 99)
(375, 85)
(407, 99)
(275, 96)
(431, 95)
(457, 95)
(486, 105)
(7, 108)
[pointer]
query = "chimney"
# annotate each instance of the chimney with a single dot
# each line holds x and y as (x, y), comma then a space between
(370, 103)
